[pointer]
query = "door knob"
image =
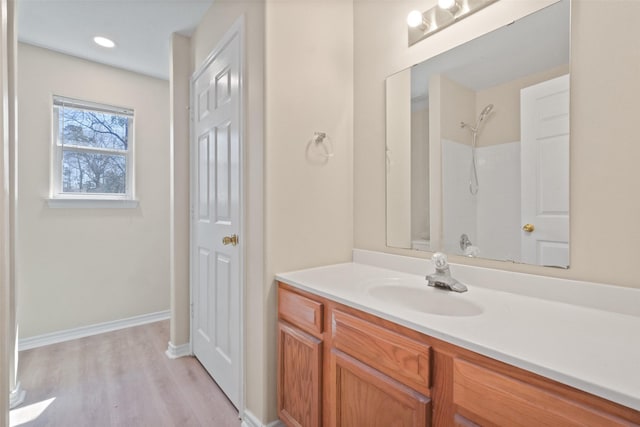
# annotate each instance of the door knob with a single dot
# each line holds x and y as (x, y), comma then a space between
(230, 240)
(528, 228)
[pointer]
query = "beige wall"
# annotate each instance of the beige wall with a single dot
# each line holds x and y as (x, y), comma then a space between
(457, 104)
(181, 69)
(604, 110)
(77, 267)
(309, 206)
(420, 170)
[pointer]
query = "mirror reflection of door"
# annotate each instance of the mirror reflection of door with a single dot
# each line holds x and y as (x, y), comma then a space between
(544, 175)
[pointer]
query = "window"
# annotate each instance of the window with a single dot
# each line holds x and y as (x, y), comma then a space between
(92, 151)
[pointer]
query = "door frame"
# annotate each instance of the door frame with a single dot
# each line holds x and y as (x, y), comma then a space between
(237, 29)
(7, 298)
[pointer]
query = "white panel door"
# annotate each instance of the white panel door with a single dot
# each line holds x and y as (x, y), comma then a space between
(215, 195)
(545, 172)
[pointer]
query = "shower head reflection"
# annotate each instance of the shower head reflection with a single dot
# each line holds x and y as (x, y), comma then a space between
(486, 111)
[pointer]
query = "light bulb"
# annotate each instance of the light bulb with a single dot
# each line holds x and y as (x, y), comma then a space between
(103, 41)
(414, 19)
(446, 4)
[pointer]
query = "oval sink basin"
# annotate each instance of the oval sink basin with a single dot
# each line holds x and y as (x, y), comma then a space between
(425, 300)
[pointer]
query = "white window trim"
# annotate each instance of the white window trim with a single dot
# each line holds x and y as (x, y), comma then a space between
(87, 203)
(59, 199)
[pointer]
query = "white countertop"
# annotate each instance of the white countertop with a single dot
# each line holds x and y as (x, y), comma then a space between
(592, 349)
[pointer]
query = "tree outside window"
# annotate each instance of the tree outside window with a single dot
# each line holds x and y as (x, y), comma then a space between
(93, 149)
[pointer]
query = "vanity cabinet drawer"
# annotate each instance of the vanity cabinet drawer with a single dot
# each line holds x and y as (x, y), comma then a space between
(399, 357)
(487, 397)
(300, 311)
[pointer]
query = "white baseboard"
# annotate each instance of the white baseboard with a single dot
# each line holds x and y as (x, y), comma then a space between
(176, 351)
(17, 396)
(250, 420)
(86, 331)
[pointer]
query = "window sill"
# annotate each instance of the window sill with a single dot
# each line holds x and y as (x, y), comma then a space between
(76, 203)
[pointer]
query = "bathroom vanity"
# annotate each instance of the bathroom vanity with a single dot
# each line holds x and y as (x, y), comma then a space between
(360, 345)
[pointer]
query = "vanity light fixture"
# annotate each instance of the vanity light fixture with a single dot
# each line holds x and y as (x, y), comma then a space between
(447, 12)
(446, 4)
(415, 19)
(104, 42)
(450, 5)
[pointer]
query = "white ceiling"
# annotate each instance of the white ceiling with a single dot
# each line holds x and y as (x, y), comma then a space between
(141, 29)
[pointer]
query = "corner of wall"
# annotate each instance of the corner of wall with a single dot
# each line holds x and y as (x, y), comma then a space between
(179, 231)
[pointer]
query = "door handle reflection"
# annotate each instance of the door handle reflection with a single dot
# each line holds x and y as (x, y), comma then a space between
(230, 240)
(528, 228)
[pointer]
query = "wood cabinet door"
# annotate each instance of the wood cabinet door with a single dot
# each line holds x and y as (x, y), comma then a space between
(491, 398)
(366, 397)
(299, 377)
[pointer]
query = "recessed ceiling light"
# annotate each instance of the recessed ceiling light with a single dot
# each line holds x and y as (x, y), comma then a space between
(103, 41)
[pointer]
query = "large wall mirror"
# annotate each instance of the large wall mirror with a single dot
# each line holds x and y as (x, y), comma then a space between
(478, 146)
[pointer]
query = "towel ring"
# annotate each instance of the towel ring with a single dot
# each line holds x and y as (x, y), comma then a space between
(321, 138)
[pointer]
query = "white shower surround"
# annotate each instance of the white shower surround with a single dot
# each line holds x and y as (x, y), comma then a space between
(491, 218)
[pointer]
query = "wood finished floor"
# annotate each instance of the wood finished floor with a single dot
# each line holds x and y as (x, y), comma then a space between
(121, 378)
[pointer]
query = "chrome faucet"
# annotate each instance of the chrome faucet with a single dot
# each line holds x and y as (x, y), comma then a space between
(442, 277)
